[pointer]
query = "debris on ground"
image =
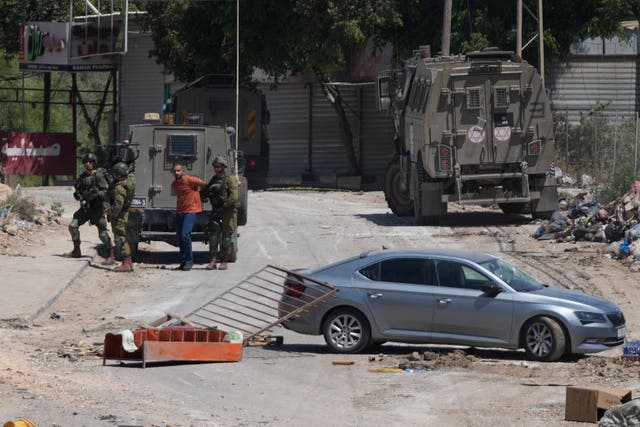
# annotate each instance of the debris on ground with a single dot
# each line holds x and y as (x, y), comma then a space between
(428, 360)
(616, 224)
(74, 351)
(22, 221)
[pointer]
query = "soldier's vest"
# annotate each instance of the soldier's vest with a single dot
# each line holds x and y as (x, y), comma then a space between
(218, 190)
(88, 183)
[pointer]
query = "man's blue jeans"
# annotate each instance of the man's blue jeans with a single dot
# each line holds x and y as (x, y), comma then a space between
(184, 227)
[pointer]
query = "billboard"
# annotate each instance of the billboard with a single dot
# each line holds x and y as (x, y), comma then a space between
(25, 153)
(79, 46)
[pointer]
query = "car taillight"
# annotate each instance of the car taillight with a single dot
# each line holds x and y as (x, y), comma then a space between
(293, 288)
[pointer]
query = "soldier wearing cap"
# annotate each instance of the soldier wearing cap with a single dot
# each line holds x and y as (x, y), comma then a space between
(91, 188)
(222, 192)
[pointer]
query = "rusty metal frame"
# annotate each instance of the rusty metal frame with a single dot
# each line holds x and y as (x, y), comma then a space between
(256, 304)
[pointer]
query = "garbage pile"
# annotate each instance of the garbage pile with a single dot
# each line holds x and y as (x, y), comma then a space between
(616, 224)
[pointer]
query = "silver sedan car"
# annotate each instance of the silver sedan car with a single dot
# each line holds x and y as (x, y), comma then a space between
(448, 297)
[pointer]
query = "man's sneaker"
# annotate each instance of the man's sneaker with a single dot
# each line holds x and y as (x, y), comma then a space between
(187, 266)
(180, 267)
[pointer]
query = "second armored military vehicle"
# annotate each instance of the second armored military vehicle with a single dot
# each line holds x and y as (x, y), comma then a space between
(472, 129)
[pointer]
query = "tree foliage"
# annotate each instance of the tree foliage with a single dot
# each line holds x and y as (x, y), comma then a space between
(17, 12)
(194, 38)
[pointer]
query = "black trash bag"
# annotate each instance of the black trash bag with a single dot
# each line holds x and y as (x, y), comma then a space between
(615, 231)
(581, 208)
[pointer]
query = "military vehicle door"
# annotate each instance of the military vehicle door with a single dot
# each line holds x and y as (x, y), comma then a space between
(184, 144)
(486, 113)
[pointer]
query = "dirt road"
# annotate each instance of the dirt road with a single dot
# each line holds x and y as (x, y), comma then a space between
(51, 371)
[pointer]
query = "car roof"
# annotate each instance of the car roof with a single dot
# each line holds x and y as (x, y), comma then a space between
(375, 255)
(474, 256)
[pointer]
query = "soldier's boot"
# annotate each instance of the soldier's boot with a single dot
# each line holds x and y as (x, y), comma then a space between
(223, 263)
(75, 253)
(214, 261)
(125, 267)
(111, 259)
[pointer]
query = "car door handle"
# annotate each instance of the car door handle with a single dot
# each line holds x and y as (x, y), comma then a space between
(444, 300)
(374, 296)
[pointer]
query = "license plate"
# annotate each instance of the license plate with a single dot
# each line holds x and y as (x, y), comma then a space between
(621, 332)
(138, 202)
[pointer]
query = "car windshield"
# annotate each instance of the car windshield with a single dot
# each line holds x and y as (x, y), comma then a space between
(511, 275)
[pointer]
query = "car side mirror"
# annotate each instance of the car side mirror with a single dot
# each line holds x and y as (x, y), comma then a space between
(491, 288)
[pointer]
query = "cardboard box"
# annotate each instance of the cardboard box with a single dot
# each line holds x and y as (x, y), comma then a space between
(588, 404)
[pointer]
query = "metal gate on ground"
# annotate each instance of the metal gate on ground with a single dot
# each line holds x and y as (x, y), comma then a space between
(262, 301)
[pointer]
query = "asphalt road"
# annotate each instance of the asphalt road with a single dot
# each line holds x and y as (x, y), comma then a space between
(296, 383)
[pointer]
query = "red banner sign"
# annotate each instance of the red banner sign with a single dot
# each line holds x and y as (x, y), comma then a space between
(38, 153)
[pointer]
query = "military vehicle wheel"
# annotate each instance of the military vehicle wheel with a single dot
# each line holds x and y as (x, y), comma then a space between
(515, 208)
(243, 199)
(396, 192)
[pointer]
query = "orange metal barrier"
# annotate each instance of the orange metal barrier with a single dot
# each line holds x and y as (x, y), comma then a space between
(174, 343)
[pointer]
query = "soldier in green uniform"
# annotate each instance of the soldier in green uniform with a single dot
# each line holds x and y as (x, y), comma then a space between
(116, 206)
(222, 192)
(91, 189)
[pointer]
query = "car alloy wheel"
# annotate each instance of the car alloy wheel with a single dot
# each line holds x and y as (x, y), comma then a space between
(346, 331)
(544, 339)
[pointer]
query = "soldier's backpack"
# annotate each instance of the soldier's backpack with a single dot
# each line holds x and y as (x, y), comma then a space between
(107, 175)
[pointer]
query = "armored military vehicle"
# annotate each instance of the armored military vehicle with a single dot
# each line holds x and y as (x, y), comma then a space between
(153, 209)
(210, 100)
(471, 129)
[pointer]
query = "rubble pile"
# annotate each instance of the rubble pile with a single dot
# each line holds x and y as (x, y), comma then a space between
(22, 220)
(616, 224)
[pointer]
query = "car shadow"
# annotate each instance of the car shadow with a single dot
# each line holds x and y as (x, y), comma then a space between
(393, 349)
(457, 219)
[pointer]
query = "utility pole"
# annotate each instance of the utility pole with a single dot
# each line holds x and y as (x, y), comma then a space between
(539, 35)
(237, 134)
(519, 29)
(446, 28)
(541, 41)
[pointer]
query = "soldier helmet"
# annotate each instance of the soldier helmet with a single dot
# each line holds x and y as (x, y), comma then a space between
(120, 169)
(218, 160)
(89, 157)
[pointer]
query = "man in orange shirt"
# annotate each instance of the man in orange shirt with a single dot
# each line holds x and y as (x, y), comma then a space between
(187, 191)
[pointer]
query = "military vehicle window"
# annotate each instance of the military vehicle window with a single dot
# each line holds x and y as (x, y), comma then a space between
(501, 97)
(182, 145)
(404, 79)
(473, 98)
(423, 98)
(412, 95)
(415, 100)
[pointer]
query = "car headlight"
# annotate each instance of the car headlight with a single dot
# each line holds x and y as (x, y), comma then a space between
(586, 317)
